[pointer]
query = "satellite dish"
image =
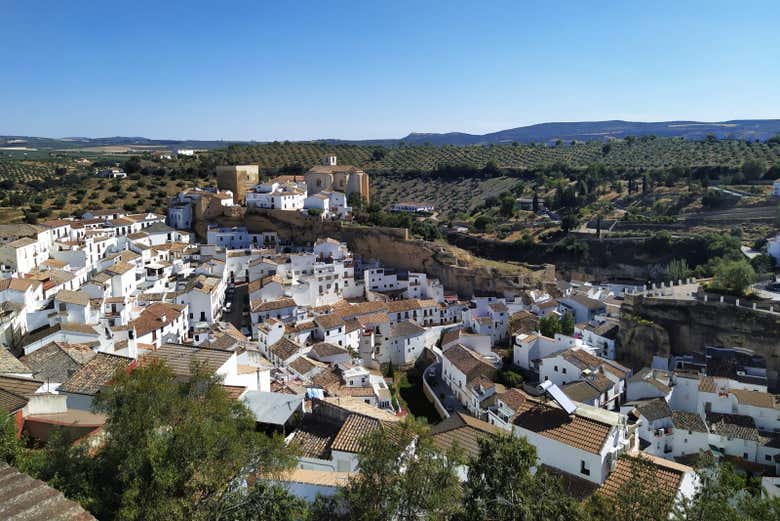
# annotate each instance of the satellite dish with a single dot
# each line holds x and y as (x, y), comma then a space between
(554, 392)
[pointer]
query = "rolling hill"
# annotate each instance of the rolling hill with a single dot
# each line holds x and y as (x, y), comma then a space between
(602, 130)
(747, 129)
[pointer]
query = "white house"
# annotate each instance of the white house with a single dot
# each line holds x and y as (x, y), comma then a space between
(461, 367)
(413, 207)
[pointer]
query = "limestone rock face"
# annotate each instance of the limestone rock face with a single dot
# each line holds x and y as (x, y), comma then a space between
(640, 340)
(458, 270)
(692, 325)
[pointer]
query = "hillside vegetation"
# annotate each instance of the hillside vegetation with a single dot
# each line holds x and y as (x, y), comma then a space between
(639, 153)
(458, 180)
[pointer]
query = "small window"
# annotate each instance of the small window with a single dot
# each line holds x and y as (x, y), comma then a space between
(584, 468)
(768, 457)
(555, 368)
(744, 455)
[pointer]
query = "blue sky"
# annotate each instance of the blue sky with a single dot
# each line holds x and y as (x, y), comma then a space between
(378, 69)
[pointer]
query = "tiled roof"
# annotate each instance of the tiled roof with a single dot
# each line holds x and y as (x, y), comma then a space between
(355, 427)
(661, 476)
(754, 398)
(551, 422)
(180, 358)
(259, 306)
(15, 284)
(399, 306)
(655, 409)
(25, 498)
(57, 361)
(380, 317)
(234, 391)
(10, 364)
(468, 362)
(688, 421)
(406, 328)
(581, 391)
(156, 316)
(329, 321)
(326, 349)
(355, 405)
(302, 365)
(464, 431)
(329, 380)
(452, 335)
(513, 398)
(19, 385)
(707, 385)
(284, 348)
(313, 438)
(95, 374)
(80, 298)
(300, 327)
(11, 402)
(733, 426)
(355, 392)
(120, 267)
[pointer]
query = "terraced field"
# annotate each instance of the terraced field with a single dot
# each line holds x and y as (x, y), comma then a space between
(447, 195)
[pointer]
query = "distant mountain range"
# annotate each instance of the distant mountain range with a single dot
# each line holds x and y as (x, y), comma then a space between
(602, 130)
(752, 129)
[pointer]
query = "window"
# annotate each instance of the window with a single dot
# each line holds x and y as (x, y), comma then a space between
(768, 457)
(563, 370)
(584, 468)
(555, 368)
(744, 455)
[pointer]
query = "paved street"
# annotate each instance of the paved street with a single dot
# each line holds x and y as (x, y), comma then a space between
(235, 316)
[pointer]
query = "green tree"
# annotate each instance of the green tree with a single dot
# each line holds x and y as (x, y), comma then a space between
(483, 223)
(677, 269)
(753, 169)
(396, 483)
(568, 222)
(172, 450)
(725, 495)
(549, 325)
(507, 207)
(567, 324)
(640, 498)
(734, 276)
(500, 485)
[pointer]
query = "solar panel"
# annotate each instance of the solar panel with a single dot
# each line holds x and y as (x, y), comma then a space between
(556, 394)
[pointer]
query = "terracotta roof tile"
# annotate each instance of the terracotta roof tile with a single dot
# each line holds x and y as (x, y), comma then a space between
(464, 431)
(26, 498)
(662, 477)
(10, 364)
(95, 374)
(553, 423)
(180, 359)
(355, 427)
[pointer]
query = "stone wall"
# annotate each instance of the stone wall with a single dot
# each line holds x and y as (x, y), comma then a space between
(668, 326)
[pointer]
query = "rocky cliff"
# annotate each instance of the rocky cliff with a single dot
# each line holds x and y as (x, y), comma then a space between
(458, 270)
(666, 326)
